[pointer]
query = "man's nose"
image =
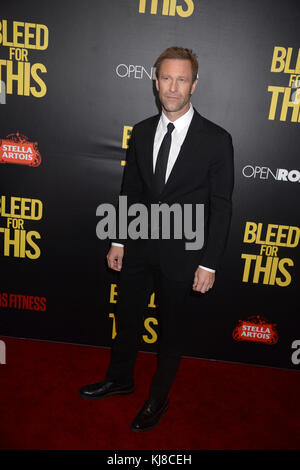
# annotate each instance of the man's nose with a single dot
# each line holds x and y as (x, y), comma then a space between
(173, 85)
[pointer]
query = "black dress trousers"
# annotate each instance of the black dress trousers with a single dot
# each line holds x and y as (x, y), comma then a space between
(138, 279)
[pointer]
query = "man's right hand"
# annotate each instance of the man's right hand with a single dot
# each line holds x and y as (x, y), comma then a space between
(114, 257)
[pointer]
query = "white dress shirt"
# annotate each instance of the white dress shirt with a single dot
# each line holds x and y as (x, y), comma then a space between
(178, 135)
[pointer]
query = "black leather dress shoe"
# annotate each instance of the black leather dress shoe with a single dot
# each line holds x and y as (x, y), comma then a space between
(149, 415)
(104, 389)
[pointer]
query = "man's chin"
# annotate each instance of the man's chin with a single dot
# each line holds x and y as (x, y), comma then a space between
(172, 107)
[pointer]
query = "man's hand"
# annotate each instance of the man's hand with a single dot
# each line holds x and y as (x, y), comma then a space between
(203, 280)
(114, 257)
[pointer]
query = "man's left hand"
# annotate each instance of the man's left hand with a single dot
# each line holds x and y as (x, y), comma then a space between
(203, 280)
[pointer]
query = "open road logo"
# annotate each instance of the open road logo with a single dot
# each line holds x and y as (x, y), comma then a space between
(264, 173)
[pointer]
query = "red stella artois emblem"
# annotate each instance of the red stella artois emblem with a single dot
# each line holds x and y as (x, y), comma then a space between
(255, 329)
(16, 148)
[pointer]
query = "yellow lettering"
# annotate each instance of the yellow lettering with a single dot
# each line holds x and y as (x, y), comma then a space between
(23, 34)
(39, 45)
(23, 208)
(153, 7)
(15, 241)
(188, 12)
(275, 90)
(39, 81)
(22, 244)
(4, 39)
(113, 294)
(18, 77)
(250, 232)
(262, 269)
(153, 333)
(27, 79)
(152, 300)
(172, 10)
(281, 266)
(281, 236)
(273, 271)
(297, 68)
(36, 251)
(270, 234)
(142, 6)
(248, 260)
(168, 7)
(278, 57)
(28, 35)
(126, 136)
(289, 104)
(114, 330)
(18, 34)
(165, 10)
(292, 231)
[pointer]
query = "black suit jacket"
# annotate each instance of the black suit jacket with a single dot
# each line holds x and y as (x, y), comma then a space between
(202, 174)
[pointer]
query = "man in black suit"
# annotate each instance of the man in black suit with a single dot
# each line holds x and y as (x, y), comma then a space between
(175, 157)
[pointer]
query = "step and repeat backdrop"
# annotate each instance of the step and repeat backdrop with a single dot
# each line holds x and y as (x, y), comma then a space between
(74, 80)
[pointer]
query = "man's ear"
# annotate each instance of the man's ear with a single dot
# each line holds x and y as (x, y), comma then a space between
(194, 86)
(157, 85)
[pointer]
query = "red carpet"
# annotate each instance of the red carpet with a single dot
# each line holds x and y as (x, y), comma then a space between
(213, 405)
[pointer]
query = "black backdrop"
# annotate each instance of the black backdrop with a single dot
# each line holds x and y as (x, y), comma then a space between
(95, 80)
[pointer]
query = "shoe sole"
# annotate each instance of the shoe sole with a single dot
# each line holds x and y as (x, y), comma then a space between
(125, 392)
(154, 425)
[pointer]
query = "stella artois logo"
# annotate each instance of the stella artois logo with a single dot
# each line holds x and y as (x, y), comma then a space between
(256, 329)
(16, 148)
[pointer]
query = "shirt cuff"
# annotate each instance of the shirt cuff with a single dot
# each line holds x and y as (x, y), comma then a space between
(207, 269)
(116, 244)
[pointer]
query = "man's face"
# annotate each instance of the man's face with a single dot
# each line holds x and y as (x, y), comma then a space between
(175, 85)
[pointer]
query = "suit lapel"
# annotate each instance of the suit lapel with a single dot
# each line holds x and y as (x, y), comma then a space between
(148, 146)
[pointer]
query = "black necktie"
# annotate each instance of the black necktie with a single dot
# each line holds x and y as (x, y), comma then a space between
(162, 160)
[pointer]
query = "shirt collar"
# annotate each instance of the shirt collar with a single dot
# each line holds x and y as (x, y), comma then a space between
(181, 122)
